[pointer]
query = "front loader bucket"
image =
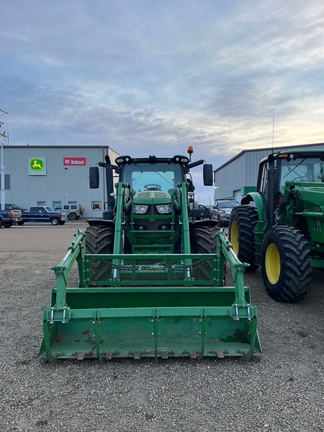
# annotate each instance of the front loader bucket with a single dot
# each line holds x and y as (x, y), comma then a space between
(181, 313)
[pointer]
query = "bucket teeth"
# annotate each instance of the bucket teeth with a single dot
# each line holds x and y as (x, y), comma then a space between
(193, 355)
(80, 355)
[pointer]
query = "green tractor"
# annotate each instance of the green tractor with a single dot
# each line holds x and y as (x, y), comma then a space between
(280, 227)
(151, 274)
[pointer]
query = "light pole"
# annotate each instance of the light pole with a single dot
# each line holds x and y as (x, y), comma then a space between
(2, 168)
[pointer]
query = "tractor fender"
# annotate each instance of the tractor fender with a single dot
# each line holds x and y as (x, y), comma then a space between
(204, 222)
(101, 222)
(258, 200)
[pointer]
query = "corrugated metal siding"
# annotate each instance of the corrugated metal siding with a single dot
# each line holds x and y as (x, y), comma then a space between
(242, 170)
(230, 178)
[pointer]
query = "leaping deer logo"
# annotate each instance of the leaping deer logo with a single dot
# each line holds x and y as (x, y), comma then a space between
(37, 164)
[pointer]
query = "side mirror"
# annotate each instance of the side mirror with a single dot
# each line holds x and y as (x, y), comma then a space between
(94, 177)
(208, 174)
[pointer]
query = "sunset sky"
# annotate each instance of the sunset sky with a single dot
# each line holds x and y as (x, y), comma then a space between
(152, 77)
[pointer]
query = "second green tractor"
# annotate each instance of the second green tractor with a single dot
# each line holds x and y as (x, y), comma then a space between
(280, 226)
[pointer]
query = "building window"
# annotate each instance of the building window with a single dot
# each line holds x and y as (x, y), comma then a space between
(96, 205)
(41, 203)
(57, 205)
(6, 182)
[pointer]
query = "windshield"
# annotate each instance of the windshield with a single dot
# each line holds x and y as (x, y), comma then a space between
(11, 207)
(159, 176)
(302, 170)
(228, 204)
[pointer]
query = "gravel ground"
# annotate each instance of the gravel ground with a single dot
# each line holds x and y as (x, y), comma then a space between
(280, 391)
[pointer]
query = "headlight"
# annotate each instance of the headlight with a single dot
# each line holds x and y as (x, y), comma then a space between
(164, 208)
(140, 209)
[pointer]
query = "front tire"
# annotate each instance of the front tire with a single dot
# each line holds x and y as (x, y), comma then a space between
(99, 240)
(242, 222)
(55, 221)
(285, 262)
(203, 240)
(203, 237)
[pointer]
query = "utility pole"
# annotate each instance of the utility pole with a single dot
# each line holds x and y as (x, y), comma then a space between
(3, 137)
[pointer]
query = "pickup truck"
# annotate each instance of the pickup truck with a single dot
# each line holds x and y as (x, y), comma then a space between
(8, 217)
(43, 214)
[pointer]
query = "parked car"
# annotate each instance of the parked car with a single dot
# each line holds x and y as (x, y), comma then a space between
(44, 214)
(6, 218)
(200, 212)
(221, 211)
(73, 211)
(10, 215)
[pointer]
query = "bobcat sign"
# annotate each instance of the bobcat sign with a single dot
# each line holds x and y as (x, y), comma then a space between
(74, 161)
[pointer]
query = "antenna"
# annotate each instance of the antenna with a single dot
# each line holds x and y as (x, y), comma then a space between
(272, 131)
(179, 141)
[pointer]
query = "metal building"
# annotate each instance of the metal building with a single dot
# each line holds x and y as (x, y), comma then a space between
(238, 176)
(54, 175)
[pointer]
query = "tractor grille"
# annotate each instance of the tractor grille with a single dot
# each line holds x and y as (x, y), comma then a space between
(158, 270)
(152, 224)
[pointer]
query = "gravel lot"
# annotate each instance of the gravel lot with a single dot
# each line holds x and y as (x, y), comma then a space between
(283, 390)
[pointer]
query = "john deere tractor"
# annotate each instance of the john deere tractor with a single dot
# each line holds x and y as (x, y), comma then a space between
(151, 273)
(280, 227)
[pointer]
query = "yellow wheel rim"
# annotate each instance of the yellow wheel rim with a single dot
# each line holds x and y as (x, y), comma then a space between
(272, 264)
(234, 235)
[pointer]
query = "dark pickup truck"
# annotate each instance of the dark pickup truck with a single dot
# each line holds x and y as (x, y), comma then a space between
(9, 217)
(44, 214)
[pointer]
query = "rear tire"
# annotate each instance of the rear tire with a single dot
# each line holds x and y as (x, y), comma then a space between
(99, 240)
(242, 222)
(285, 263)
(72, 216)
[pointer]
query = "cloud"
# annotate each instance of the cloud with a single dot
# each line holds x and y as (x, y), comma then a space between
(148, 77)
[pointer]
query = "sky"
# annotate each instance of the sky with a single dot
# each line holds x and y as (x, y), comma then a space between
(153, 77)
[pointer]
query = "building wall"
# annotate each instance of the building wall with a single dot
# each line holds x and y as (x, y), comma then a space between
(230, 178)
(236, 177)
(66, 177)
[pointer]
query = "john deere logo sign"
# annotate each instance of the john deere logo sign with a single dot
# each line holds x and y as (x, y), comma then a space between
(37, 166)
